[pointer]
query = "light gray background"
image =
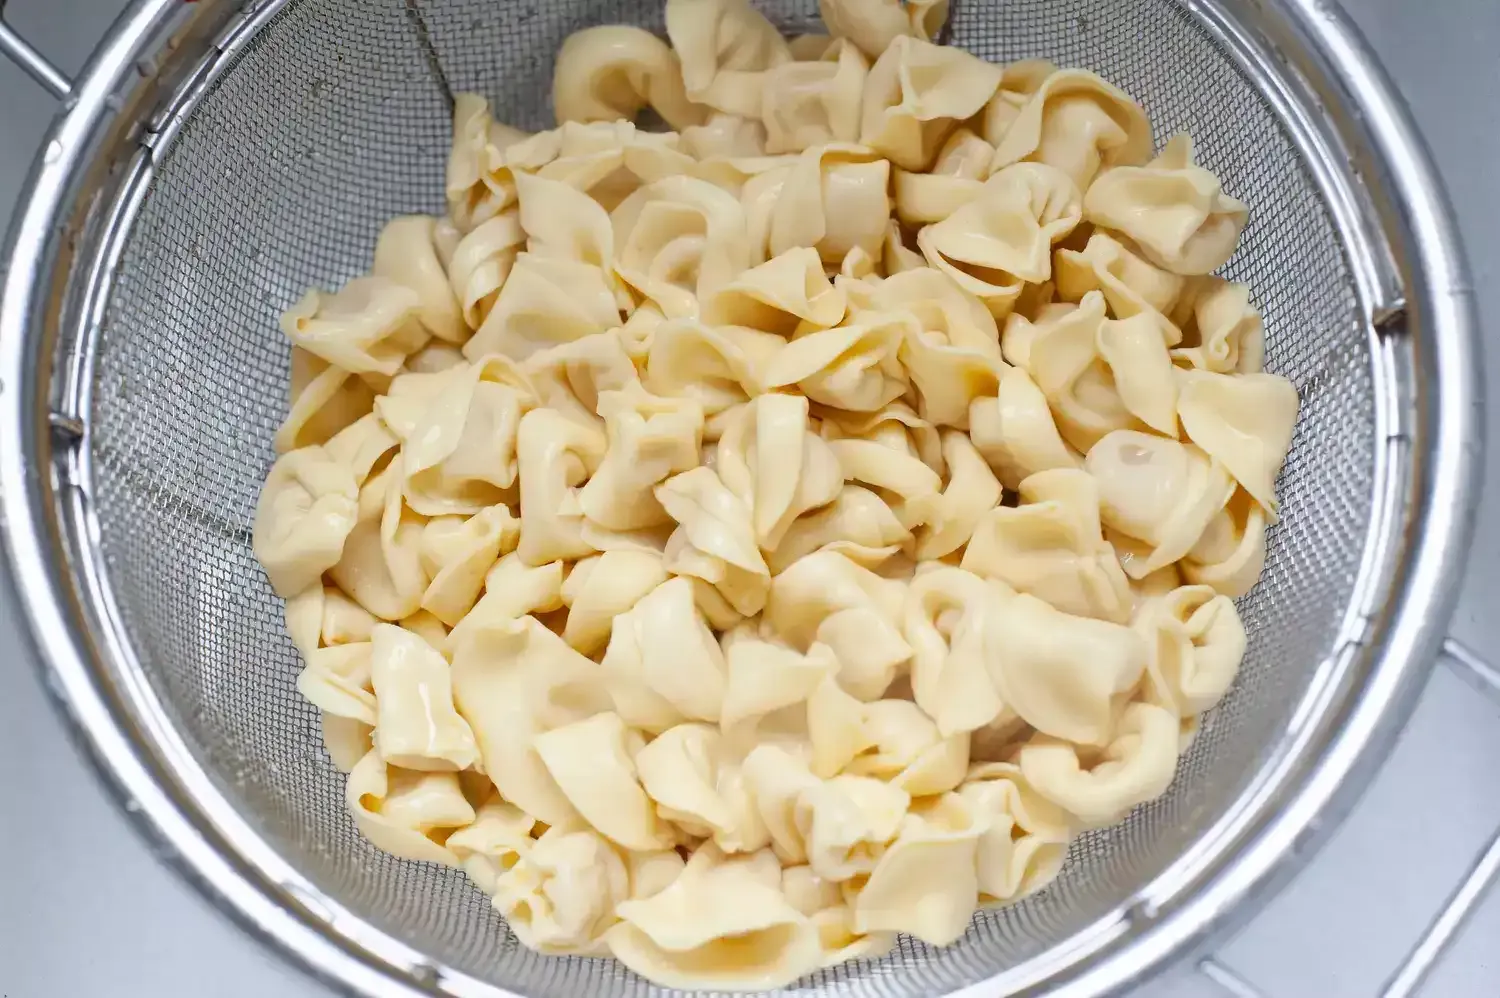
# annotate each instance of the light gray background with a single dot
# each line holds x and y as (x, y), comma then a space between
(86, 910)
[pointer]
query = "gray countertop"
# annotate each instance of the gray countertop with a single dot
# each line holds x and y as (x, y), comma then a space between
(86, 910)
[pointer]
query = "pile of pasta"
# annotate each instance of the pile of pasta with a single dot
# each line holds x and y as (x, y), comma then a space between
(735, 546)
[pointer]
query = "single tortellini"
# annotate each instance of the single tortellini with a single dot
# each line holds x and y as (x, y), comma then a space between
(785, 295)
(874, 24)
(545, 301)
(1222, 331)
(607, 160)
(380, 567)
(338, 681)
(905, 748)
(458, 553)
(1231, 552)
(592, 762)
(716, 532)
(765, 676)
(1130, 285)
(554, 456)
(1002, 240)
(679, 239)
(481, 262)
(499, 837)
(720, 367)
(847, 823)
(855, 367)
(806, 104)
(1136, 766)
(1079, 124)
(514, 679)
(459, 431)
(957, 177)
(612, 71)
(1244, 422)
(1016, 432)
(884, 456)
(1052, 546)
(916, 94)
(950, 518)
(770, 458)
(307, 509)
(722, 924)
(560, 898)
(1028, 835)
(570, 377)
(406, 253)
(945, 620)
(368, 326)
(325, 400)
(858, 524)
(1060, 672)
(416, 725)
(697, 786)
(827, 598)
(1100, 375)
(603, 586)
(1173, 209)
(833, 198)
(662, 665)
(1196, 642)
(954, 357)
(650, 439)
(1160, 492)
(407, 814)
(512, 590)
(1018, 84)
(927, 883)
(724, 46)
(478, 184)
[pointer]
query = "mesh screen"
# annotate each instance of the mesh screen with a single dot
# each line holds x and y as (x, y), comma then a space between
(331, 121)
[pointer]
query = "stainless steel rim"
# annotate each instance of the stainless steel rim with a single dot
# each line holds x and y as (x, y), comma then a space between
(1421, 303)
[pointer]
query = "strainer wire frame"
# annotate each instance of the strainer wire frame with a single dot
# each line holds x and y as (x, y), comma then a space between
(95, 167)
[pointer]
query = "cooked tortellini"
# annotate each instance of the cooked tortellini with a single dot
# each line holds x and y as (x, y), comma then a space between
(736, 546)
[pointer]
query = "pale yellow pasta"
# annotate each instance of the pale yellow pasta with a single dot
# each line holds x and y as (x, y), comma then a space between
(945, 620)
(915, 96)
(806, 104)
(724, 45)
(1243, 422)
(927, 883)
(308, 507)
(612, 71)
(874, 24)
(1136, 766)
(1052, 546)
(416, 726)
(404, 813)
(561, 896)
(366, 327)
(687, 937)
(733, 547)
(1173, 209)
(1078, 123)
(1002, 240)
(406, 253)
(592, 762)
(1157, 491)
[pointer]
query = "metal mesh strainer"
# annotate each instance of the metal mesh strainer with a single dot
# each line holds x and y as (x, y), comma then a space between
(217, 161)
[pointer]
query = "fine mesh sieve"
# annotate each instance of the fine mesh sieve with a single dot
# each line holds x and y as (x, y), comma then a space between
(218, 161)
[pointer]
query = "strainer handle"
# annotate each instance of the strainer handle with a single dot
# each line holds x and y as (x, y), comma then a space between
(24, 54)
